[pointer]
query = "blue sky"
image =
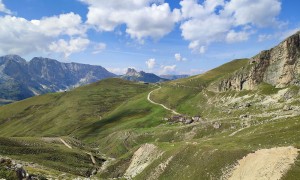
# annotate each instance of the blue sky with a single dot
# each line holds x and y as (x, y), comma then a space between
(160, 36)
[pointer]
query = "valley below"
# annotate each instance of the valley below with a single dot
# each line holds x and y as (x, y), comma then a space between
(238, 121)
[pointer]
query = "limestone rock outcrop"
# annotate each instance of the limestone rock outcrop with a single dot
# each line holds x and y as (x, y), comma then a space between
(279, 66)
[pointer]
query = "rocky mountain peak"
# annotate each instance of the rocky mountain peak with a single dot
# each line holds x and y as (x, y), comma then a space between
(43, 60)
(14, 58)
(132, 72)
(133, 75)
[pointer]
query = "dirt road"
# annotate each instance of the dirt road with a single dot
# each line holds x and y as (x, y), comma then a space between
(151, 101)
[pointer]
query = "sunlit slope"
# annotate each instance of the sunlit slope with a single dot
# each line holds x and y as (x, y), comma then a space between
(62, 113)
(203, 80)
(248, 121)
(183, 93)
(47, 152)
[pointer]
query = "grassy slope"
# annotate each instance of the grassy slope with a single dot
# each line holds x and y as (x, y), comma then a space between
(53, 155)
(5, 101)
(208, 157)
(91, 113)
(197, 150)
(209, 151)
(60, 114)
(220, 72)
(183, 94)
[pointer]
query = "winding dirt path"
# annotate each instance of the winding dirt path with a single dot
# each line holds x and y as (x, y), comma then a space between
(70, 147)
(65, 143)
(92, 158)
(151, 101)
(237, 131)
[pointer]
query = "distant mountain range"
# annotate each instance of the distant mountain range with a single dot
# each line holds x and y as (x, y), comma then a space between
(133, 75)
(20, 79)
(173, 77)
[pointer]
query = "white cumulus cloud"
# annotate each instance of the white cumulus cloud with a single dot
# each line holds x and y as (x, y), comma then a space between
(233, 36)
(202, 49)
(21, 36)
(69, 47)
(151, 63)
(168, 69)
(67, 24)
(4, 9)
(143, 18)
(178, 57)
(218, 20)
(256, 12)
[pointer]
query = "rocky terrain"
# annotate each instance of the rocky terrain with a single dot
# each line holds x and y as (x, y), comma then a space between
(279, 67)
(20, 79)
(133, 75)
(15, 170)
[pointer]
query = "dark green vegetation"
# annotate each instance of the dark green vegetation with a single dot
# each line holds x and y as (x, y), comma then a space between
(46, 152)
(69, 111)
(112, 119)
(6, 173)
(91, 113)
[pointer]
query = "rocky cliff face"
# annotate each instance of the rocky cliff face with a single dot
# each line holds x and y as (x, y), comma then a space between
(132, 72)
(279, 66)
(20, 79)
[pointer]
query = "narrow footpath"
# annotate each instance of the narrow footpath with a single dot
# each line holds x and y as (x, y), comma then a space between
(65, 143)
(151, 101)
(70, 147)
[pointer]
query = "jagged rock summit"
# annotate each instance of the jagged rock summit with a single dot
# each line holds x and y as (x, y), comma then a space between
(132, 72)
(133, 75)
(20, 79)
(279, 66)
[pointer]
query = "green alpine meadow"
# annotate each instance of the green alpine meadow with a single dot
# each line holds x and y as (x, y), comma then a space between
(214, 125)
(149, 90)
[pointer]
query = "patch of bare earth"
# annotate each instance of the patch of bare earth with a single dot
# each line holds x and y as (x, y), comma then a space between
(142, 158)
(159, 169)
(264, 164)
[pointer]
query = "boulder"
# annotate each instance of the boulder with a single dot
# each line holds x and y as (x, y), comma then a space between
(243, 116)
(217, 125)
(21, 173)
(247, 105)
(188, 121)
(196, 118)
(287, 108)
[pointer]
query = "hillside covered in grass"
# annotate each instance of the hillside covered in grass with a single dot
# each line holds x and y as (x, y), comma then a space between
(61, 114)
(126, 130)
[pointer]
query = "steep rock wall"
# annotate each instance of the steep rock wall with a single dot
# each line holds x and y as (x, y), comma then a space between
(279, 66)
